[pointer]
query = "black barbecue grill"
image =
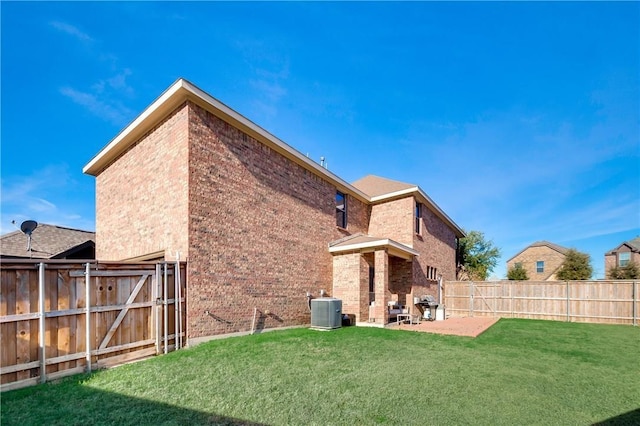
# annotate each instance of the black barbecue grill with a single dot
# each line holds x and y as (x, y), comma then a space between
(428, 304)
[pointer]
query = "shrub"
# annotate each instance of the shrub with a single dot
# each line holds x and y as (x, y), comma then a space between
(517, 273)
(576, 266)
(630, 271)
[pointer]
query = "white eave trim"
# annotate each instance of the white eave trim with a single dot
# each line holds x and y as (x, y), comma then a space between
(394, 247)
(396, 194)
(183, 90)
(117, 144)
(428, 201)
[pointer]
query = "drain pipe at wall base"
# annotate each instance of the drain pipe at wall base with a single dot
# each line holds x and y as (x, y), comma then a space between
(439, 290)
(309, 301)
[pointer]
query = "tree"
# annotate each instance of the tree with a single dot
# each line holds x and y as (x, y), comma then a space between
(476, 256)
(630, 271)
(576, 266)
(517, 273)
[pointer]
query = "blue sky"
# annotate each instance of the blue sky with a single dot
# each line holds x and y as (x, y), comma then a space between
(521, 120)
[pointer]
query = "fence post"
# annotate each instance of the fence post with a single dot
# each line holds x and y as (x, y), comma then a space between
(175, 307)
(155, 315)
(511, 295)
(634, 290)
(495, 300)
(568, 303)
(471, 298)
(42, 324)
(87, 290)
(166, 308)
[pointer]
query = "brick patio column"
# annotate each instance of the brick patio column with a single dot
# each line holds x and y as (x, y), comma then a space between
(381, 284)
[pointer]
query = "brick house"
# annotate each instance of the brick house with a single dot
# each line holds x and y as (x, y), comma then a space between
(541, 260)
(625, 253)
(260, 224)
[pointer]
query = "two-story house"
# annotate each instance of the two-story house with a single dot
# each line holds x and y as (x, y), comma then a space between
(541, 260)
(626, 253)
(260, 224)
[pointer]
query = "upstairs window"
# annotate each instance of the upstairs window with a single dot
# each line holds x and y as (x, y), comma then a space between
(418, 215)
(341, 210)
(540, 266)
(624, 258)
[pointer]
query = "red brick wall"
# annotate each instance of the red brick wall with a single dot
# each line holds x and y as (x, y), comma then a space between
(400, 280)
(253, 225)
(141, 198)
(393, 219)
(437, 247)
(436, 243)
(259, 228)
(350, 281)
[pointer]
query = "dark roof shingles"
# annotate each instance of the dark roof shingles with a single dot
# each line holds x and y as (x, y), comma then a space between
(47, 241)
(375, 186)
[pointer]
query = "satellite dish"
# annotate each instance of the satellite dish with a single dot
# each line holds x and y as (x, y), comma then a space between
(27, 227)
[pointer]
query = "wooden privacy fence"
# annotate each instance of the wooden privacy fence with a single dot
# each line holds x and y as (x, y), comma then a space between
(59, 318)
(614, 302)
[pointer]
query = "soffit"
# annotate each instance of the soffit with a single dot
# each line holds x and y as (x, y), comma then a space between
(182, 91)
(365, 243)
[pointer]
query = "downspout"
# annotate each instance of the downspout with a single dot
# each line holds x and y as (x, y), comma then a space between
(439, 290)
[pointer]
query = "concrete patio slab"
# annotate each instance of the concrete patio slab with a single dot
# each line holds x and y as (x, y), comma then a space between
(457, 326)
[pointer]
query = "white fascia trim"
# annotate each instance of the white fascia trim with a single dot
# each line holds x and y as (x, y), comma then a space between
(429, 202)
(182, 90)
(307, 162)
(395, 194)
(163, 98)
(374, 244)
(440, 211)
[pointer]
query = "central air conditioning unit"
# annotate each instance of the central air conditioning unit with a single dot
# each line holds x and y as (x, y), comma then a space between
(326, 313)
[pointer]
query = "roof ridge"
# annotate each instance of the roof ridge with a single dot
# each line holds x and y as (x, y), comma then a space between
(557, 247)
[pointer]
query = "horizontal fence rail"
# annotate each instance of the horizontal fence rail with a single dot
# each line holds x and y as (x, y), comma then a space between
(59, 318)
(611, 301)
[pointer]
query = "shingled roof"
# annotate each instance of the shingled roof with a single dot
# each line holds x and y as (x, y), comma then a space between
(634, 245)
(380, 189)
(375, 186)
(49, 242)
(556, 247)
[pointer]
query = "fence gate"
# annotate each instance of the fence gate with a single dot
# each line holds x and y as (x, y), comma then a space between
(58, 319)
(483, 298)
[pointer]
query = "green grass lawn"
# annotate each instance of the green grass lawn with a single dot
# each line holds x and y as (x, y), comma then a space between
(518, 372)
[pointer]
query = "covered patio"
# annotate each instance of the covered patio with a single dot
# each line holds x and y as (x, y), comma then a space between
(369, 273)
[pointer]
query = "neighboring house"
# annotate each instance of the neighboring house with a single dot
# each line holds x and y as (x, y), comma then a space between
(541, 260)
(625, 253)
(263, 228)
(49, 242)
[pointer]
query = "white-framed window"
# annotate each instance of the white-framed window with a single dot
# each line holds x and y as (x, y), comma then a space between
(418, 217)
(341, 210)
(624, 258)
(540, 266)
